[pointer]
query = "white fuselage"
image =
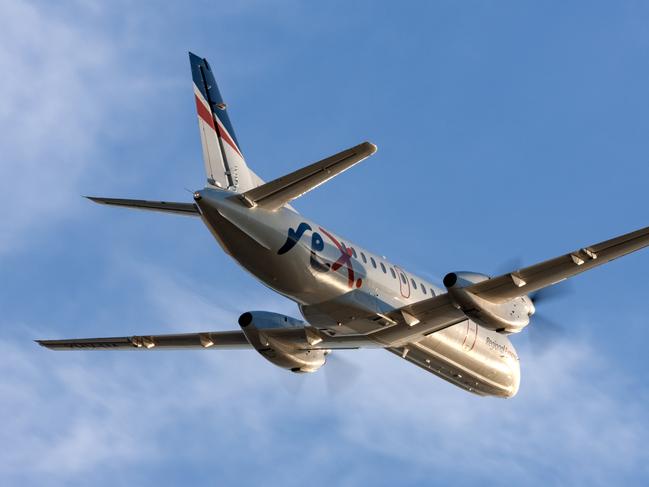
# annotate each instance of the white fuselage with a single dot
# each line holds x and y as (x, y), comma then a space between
(341, 288)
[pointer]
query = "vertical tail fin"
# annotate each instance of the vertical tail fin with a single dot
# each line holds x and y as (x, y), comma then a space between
(224, 162)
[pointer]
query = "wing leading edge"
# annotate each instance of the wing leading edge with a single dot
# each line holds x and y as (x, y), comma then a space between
(187, 209)
(528, 279)
(277, 193)
(415, 321)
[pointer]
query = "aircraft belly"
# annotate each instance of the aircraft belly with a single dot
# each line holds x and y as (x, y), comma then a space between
(286, 276)
(468, 356)
(355, 312)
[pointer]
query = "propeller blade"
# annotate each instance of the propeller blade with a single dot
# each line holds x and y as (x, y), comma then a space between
(544, 333)
(292, 383)
(507, 266)
(560, 290)
(340, 373)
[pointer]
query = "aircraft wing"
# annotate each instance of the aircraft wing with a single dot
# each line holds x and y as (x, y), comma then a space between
(188, 209)
(210, 340)
(277, 193)
(528, 279)
(217, 340)
(415, 321)
(408, 324)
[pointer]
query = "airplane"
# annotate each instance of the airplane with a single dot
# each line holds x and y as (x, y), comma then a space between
(349, 297)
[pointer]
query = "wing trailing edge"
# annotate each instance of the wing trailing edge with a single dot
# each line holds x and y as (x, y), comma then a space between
(208, 340)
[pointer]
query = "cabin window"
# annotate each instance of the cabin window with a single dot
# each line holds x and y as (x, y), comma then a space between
(364, 258)
(403, 278)
(423, 289)
(414, 284)
(383, 268)
(354, 253)
(394, 274)
(373, 262)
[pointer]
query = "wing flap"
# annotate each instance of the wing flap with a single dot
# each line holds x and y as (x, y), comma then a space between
(187, 209)
(417, 320)
(535, 277)
(221, 340)
(277, 193)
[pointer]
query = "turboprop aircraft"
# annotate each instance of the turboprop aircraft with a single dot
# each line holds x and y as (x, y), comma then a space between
(349, 297)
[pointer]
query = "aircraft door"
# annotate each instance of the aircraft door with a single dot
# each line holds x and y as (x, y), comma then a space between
(470, 337)
(404, 285)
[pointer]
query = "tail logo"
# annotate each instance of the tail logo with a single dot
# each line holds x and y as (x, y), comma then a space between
(317, 245)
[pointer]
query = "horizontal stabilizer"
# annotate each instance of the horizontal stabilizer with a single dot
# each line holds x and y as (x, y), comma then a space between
(277, 193)
(189, 209)
(216, 340)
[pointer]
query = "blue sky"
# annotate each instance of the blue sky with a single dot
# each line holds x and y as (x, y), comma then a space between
(505, 130)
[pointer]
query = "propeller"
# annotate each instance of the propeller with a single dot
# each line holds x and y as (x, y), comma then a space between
(545, 332)
(340, 373)
(293, 384)
(506, 266)
(552, 293)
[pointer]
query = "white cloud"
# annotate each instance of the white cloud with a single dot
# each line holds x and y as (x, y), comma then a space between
(78, 413)
(56, 100)
(182, 305)
(578, 418)
(571, 411)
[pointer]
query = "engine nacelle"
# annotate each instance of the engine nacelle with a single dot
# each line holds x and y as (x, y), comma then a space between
(281, 340)
(508, 317)
(463, 279)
